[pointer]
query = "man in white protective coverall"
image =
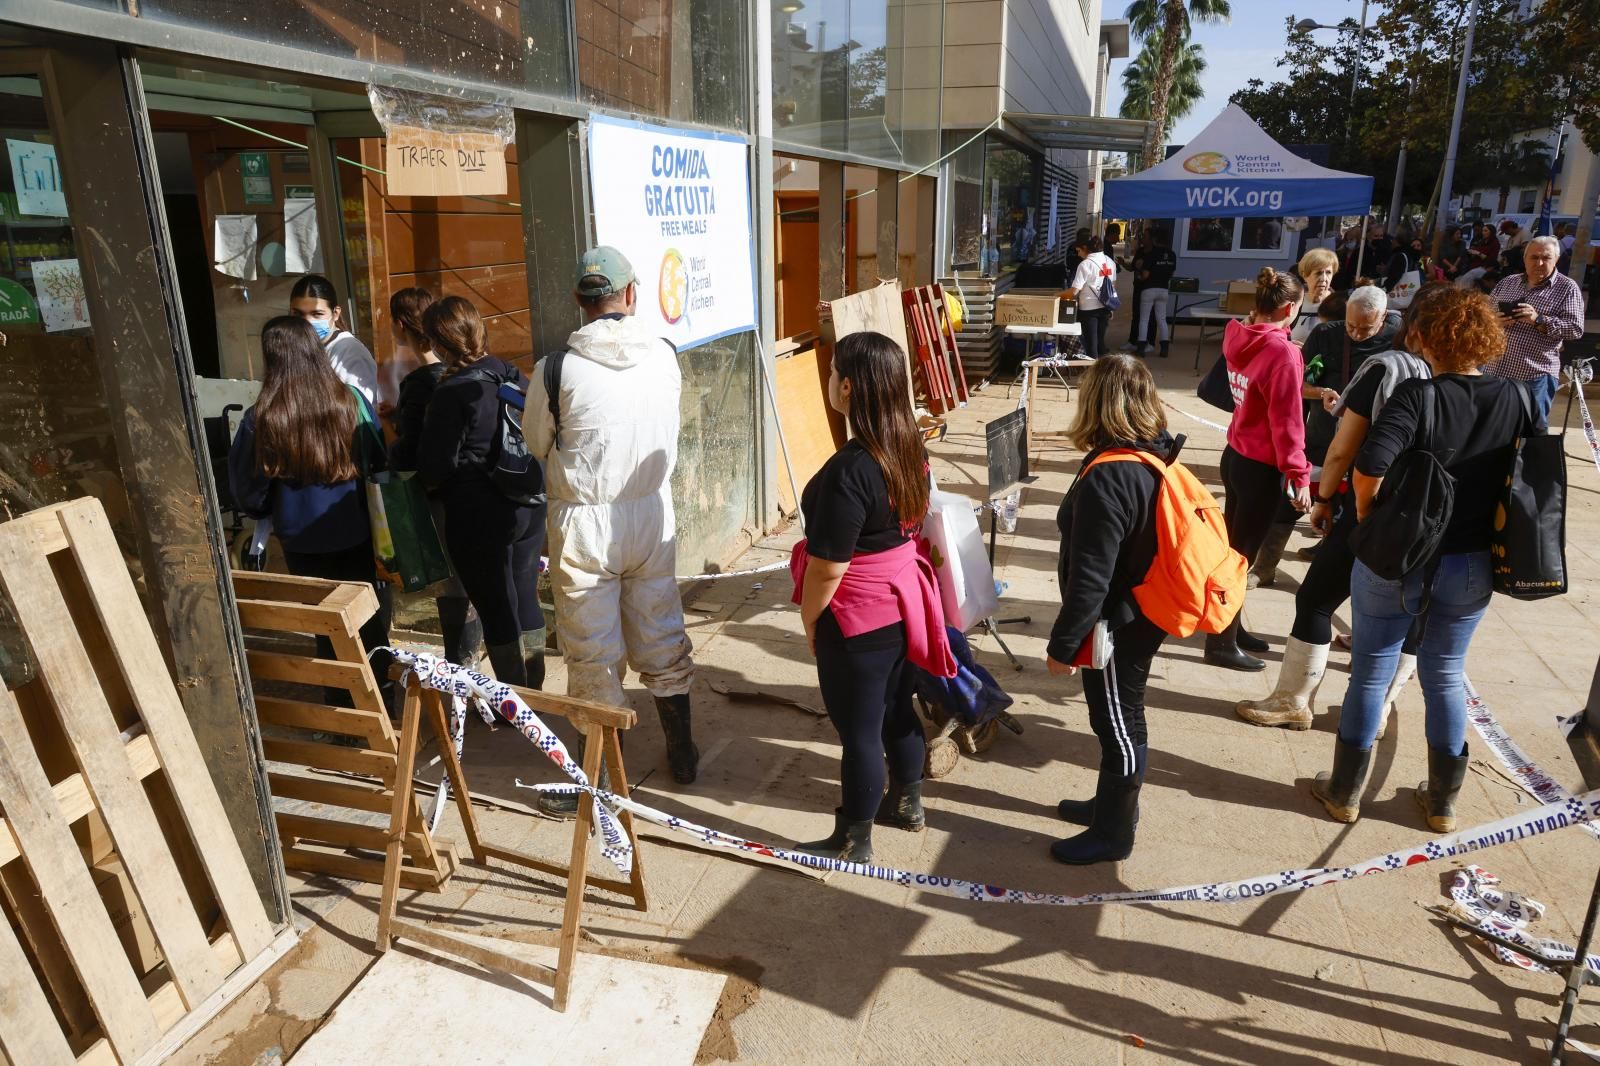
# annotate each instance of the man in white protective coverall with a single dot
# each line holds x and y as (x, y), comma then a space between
(609, 444)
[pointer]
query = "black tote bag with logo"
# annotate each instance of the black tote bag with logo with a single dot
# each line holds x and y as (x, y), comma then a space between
(1528, 548)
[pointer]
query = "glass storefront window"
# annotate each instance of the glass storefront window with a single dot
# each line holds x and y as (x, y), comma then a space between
(1210, 234)
(1261, 234)
(514, 44)
(858, 76)
(675, 59)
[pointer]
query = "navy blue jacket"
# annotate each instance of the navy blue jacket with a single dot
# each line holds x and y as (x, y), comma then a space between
(307, 519)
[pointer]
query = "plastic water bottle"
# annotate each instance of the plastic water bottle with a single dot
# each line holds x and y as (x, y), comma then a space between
(1048, 352)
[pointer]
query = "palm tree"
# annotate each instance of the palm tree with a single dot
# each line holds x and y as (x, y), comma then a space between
(1139, 78)
(1170, 20)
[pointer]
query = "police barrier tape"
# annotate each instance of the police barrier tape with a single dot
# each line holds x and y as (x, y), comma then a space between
(1508, 915)
(450, 678)
(1577, 375)
(1527, 773)
(1195, 418)
(724, 575)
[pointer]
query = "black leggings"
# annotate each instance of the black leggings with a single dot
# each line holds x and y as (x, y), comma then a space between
(351, 564)
(494, 545)
(866, 688)
(1115, 695)
(1327, 584)
(1252, 490)
(1092, 327)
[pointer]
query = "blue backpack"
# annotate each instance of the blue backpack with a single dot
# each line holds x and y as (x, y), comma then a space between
(1107, 293)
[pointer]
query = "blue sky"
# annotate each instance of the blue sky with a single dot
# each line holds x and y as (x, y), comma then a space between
(1246, 47)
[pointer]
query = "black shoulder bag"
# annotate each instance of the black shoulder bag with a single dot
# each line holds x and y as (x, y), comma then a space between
(1413, 508)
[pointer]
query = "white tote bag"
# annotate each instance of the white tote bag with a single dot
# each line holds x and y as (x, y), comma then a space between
(1406, 289)
(955, 546)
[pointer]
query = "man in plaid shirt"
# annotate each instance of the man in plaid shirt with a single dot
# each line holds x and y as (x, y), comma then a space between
(1540, 308)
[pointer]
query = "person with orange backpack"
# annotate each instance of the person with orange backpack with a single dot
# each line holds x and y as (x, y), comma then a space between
(1144, 553)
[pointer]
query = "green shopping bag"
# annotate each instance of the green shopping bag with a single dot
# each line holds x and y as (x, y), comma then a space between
(405, 546)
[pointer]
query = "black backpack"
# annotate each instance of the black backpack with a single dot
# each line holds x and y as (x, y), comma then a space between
(1413, 508)
(513, 470)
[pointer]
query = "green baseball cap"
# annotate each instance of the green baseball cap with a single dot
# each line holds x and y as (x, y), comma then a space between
(603, 271)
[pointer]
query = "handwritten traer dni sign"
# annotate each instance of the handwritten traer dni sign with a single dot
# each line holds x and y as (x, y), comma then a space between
(425, 163)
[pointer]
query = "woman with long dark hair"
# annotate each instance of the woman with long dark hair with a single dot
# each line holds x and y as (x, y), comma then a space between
(494, 542)
(867, 598)
(1265, 460)
(314, 299)
(1108, 543)
(297, 458)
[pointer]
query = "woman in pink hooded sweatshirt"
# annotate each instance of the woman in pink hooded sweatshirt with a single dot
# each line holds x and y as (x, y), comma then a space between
(1266, 453)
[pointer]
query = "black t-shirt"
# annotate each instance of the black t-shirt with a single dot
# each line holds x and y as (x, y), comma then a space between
(847, 508)
(1161, 264)
(1363, 392)
(1478, 422)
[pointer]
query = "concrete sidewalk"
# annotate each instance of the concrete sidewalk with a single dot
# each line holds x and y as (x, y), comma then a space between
(849, 970)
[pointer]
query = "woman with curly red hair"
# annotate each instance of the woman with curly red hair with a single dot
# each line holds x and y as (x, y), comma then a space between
(1476, 421)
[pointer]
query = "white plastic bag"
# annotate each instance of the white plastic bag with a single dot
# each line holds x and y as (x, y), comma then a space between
(955, 545)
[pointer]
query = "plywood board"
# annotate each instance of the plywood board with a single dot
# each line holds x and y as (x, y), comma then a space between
(878, 310)
(413, 1004)
(803, 413)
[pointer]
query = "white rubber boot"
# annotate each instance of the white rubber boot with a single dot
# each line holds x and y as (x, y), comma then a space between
(1298, 680)
(1404, 671)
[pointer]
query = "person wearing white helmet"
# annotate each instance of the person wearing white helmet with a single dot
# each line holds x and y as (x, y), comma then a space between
(602, 415)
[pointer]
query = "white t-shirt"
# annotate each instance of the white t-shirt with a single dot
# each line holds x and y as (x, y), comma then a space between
(353, 364)
(1087, 280)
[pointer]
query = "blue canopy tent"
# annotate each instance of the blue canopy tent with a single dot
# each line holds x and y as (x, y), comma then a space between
(1232, 168)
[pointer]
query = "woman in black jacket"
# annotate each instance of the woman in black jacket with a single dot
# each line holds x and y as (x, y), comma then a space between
(1108, 541)
(494, 542)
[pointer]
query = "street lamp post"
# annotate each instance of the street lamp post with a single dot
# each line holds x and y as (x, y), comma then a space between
(1455, 133)
(1306, 26)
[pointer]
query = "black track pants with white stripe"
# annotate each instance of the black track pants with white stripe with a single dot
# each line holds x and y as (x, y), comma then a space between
(1115, 695)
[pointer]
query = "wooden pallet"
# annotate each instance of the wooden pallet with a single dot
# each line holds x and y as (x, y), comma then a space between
(279, 613)
(100, 770)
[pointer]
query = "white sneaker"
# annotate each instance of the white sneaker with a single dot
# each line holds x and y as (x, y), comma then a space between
(1130, 346)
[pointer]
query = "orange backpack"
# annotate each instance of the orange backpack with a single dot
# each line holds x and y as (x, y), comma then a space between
(1196, 580)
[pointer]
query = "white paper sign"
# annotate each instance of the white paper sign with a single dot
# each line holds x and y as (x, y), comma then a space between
(63, 303)
(234, 246)
(677, 204)
(302, 246)
(36, 178)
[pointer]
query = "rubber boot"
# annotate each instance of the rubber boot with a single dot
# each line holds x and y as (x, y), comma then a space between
(1222, 649)
(532, 645)
(1403, 672)
(682, 756)
(1081, 812)
(1109, 837)
(1265, 571)
(1166, 349)
(507, 663)
(1437, 795)
(1340, 790)
(849, 841)
(902, 807)
(1290, 704)
(1249, 642)
(463, 632)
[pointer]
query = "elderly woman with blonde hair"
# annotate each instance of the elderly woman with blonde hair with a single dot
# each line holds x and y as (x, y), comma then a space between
(1316, 268)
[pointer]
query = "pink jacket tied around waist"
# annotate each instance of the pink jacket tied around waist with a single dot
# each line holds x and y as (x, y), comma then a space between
(883, 588)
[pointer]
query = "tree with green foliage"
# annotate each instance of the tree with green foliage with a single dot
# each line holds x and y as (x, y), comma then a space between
(1139, 80)
(1169, 22)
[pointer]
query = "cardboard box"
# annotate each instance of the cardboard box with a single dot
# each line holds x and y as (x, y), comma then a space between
(1027, 309)
(1240, 299)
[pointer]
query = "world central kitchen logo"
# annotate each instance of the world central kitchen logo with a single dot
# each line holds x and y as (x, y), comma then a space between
(1216, 164)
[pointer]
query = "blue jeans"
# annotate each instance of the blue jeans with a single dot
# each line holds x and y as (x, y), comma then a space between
(1382, 613)
(1543, 389)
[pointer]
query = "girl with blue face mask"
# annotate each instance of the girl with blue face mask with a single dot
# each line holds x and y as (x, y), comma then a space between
(315, 300)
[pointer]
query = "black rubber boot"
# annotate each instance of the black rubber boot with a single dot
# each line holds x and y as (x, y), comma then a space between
(1265, 571)
(1109, 837)
(1340, 790)
(1222, 649)
(1081, 812)
(532, 644)
(564, 805)
(463, 632)
(682, 756)
(1166, 349)
(1248, 641)
(850, 841)
(902, 807)
(507, 663)
(1437, 795)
